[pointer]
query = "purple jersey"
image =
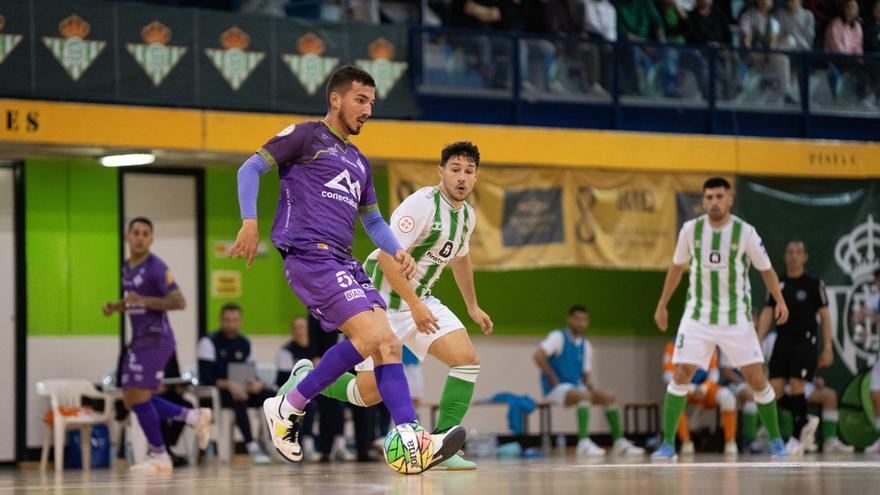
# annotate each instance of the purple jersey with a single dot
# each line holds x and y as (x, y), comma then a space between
(148, 278)
(325, 182)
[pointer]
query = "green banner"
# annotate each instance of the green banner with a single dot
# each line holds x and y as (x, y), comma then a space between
(839, 222)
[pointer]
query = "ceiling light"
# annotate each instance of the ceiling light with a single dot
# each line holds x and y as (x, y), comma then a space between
(128, 160)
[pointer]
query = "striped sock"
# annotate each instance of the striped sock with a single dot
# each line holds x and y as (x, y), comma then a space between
(457, 394)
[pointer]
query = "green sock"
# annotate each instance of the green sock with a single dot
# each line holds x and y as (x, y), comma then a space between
(749, 426)
(583, 412)
(339, 389)
(769, 418)
(456, 398)
(613, 416)
(786, 424)
(829, 428)
(673, 406)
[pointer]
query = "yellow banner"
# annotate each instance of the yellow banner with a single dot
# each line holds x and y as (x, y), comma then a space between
(538, 216)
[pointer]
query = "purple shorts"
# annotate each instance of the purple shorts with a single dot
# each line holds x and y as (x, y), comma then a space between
(144, 363)
(334, 288)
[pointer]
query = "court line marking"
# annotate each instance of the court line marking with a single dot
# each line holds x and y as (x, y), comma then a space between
(736, 465)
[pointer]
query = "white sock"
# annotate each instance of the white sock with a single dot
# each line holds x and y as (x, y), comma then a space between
(253, 447)
(287, 408)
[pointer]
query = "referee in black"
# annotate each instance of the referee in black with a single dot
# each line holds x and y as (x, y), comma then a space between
(796, 354)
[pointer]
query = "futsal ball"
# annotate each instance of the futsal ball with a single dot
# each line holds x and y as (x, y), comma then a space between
(408, 448)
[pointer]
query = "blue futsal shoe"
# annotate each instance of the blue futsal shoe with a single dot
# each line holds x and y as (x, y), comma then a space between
(777, 449)
(666, 452)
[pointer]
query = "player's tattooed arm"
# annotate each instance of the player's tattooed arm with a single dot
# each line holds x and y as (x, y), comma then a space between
(425, 321)
(771, 281)
(174, 300)
(673, 278)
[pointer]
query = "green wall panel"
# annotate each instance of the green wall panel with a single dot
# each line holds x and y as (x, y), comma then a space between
(72, 247)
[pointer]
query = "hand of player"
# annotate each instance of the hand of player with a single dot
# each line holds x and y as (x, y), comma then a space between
(132, 298)
(254, 386)
(246, 241)
(237, 391)
(553, 379)
(425, 321)
(699, 393)
(111, 307)
(827, 357)
(481, 318)
(781, 313)
(661, 318)
(407, 263)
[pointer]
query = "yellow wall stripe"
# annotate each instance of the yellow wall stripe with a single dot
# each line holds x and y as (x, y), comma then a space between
(241, 133)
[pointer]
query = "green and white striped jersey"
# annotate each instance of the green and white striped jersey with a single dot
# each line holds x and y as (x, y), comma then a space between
(433, 232)
(719, 292)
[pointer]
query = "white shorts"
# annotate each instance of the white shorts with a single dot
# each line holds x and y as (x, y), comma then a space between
(557, 394)
(875, 377)
(416, 381)
(405, 329)
(696, 342)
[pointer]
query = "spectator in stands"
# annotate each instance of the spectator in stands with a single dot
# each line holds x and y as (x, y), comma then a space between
(797, 27)
(638, 20)
(872, 30)
(515, 15)
(475, 14)
(295, 349)
(547, 65)
(215, 353)
(760, 30)
(600, 23)
(707, 25)
(674, 19)
(273, 8)
(844, 35)
(824, 11)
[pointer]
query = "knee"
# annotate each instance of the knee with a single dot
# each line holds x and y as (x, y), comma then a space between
(683, 374)
(466, 359)
(830, 401)
(366, 345)
(726, 400)
(390, 349)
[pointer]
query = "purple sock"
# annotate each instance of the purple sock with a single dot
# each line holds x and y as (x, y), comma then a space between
(336, 361)
(391, 382)
(149, 420)
(167, 409)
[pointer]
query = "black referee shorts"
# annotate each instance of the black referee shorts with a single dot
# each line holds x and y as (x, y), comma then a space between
(795, 357)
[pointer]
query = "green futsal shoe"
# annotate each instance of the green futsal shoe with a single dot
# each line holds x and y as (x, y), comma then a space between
(299, 371)
(457, 463)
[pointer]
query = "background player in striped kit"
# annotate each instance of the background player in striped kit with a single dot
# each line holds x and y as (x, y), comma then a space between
(434, 224)
(867, 315)
(720, 249)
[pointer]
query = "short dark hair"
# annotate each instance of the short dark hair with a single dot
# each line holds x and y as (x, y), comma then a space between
(466, 149)
(714, 182)
(577, 308)
(231, 306)
(797, 241)
(341, 79)
(143, 220)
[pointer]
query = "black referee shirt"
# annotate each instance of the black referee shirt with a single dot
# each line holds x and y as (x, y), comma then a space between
(804, 296)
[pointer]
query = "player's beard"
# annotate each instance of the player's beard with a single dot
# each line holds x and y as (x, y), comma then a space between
(351, 131)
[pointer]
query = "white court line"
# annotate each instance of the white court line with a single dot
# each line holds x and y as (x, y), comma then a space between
(736, 465)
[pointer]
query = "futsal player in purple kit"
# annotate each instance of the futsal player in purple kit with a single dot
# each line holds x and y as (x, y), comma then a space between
(149, 292)
(326, 183)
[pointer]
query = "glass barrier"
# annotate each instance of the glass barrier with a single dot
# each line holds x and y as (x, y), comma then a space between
(758, 80)
(479, 65)
(844, 85)
(658, 74)
(565, 70)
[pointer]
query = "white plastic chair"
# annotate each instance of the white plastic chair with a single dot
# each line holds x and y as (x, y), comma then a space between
(67, 393)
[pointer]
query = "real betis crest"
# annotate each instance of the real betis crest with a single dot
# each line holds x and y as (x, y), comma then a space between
(155, 55)
(73, 51)
(8, 42)
(233, 61)
(384, 71)
(309, 67)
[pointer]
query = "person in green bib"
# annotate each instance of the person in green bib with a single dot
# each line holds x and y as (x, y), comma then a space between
(719, 248)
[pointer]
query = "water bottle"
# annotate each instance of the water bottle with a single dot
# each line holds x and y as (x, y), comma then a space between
(545, 444)
(560, 444)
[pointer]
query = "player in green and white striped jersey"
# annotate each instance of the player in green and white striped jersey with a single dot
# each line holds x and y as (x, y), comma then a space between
(720, 248)
(434, 225)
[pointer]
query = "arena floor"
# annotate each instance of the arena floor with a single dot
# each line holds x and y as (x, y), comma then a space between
(849, 475)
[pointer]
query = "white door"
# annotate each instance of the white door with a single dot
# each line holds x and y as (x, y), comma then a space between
(169, 201)
(7, 315)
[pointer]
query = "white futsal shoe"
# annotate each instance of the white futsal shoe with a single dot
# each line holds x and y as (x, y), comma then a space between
(835, 446)
(155, 463)
(586, 447)
(808, 433)
(622, 446)
(794, 447)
